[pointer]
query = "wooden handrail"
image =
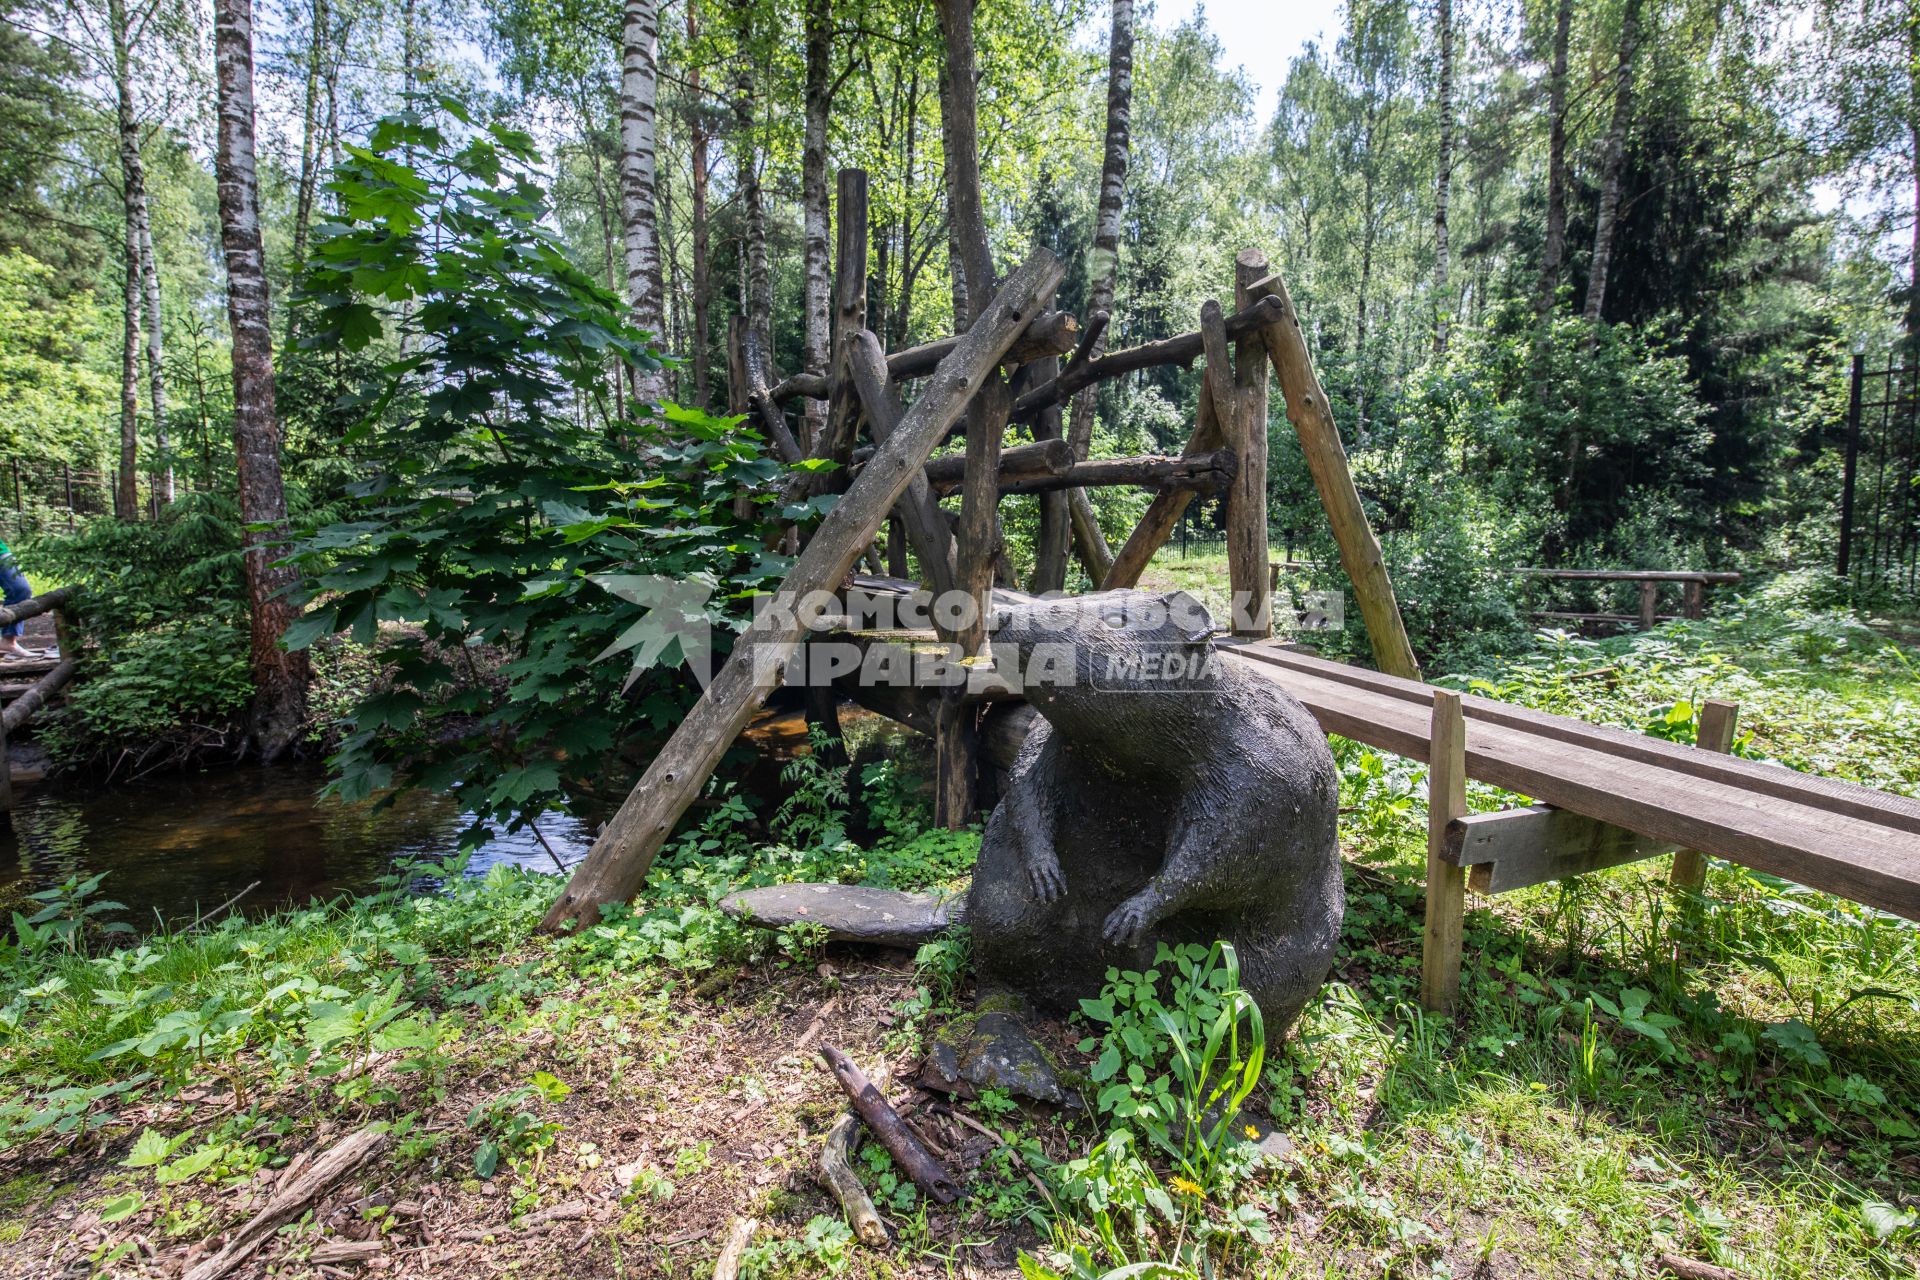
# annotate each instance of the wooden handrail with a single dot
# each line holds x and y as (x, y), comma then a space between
(37, 605)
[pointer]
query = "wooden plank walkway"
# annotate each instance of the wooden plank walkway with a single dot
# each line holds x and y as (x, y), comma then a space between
(1836, 836)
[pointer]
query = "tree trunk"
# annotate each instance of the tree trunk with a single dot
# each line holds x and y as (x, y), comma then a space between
(156, 355)
(309, 145)
(1443, 183)
(813, 197)
(1554, 247)
(639, 85)
(279, 677)
(1103, 271)
(126, 498)
(1606, 218)
(697, 143)
(757, 298)
(133, 192)
(967, 219)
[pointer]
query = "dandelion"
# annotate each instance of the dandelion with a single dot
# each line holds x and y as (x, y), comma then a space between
(1187, 1187)
(1253, 1133)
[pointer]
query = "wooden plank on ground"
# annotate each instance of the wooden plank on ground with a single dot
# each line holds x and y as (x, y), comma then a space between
(617, 865)
(1518, 848)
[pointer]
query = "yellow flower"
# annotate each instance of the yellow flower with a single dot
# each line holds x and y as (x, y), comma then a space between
(1253, 1133)
(1189, 1188)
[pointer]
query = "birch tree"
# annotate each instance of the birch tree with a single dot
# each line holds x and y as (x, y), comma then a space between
(639, 89)
(279, 677)
(1612, 160)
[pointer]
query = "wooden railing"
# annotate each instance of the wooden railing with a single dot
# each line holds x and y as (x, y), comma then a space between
(21, 711)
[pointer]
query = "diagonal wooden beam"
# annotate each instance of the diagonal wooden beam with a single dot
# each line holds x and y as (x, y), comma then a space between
(617, 865)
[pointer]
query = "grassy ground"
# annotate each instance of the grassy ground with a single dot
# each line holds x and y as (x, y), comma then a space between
(1732, 1081)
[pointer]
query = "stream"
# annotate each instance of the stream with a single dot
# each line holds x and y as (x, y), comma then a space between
(187, 843)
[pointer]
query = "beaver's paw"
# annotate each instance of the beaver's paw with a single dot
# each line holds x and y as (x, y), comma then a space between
(1044, 878)
(1128, 924)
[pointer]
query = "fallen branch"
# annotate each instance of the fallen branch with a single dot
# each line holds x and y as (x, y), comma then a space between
(837, 1175)
(901, 1142)
(741, 1234)
(338, 1163)
(1693, 1269)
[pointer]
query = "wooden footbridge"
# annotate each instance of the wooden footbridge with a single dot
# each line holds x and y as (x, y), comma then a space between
(1614, 796)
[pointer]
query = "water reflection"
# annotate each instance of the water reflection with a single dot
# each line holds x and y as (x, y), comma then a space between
(190, 842)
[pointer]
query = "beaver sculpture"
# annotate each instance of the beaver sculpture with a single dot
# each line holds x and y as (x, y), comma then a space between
(1166, 795)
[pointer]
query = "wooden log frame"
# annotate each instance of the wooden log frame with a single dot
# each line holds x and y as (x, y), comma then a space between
(617, 865)
(1446, 883)
(1312, 418)
(1054, 333)
(37, 605)
(1047, 466)
(1156, 524)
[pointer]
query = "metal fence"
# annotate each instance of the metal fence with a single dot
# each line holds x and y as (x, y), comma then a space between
(1879, 501)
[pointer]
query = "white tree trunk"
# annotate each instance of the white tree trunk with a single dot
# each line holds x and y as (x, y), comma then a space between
(1606, 217)
(156, 354)
(279, 677)
(813, 184)
(1443, 184)
(639, 87)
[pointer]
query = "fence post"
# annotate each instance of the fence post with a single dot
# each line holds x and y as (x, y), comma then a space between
(1717, 722)
(66, 474)
(1649, 600)
(1446, 884)
(1844, 561)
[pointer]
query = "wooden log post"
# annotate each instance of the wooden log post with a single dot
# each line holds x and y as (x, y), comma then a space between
(1695, 592)
(1247, 549)
(617, 865)
(1312, 419)
(1053, 540)
(1718, 722)
(1649, 601)
(1446, 882)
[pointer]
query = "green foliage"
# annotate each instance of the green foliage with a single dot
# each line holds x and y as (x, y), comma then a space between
(53, 406)
(496, 524)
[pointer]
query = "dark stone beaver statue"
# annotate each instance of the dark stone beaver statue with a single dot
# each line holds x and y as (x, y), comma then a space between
(1165, 796)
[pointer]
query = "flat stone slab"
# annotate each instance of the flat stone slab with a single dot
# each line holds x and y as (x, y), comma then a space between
(850, 913)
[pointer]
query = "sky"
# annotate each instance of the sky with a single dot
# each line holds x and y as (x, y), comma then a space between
(1260, 36)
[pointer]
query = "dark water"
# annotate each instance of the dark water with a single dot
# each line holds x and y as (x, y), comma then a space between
(188, 843)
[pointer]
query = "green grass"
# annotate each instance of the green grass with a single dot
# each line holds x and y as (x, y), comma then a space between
(1734, 1080)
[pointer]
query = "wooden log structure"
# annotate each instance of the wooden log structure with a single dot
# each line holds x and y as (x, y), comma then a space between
(1312, 417)
(37, 605)
(1247, 549)
(616, 866)
(1047, 466)
(1053, 334)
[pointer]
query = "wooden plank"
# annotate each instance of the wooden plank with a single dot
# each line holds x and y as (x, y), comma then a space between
(617, 865)
(1868, 861)
(1446, 881)
(1517, 848)
(1901, 813)
(1718, 720)
(1326, 458)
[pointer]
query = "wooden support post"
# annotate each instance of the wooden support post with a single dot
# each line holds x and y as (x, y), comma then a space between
(1247, 549)
(617, 865)
(1649, 601)
(1718, 721)
(1696, 601)
(896, 547)
(1446, 882)
(1326, 457)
